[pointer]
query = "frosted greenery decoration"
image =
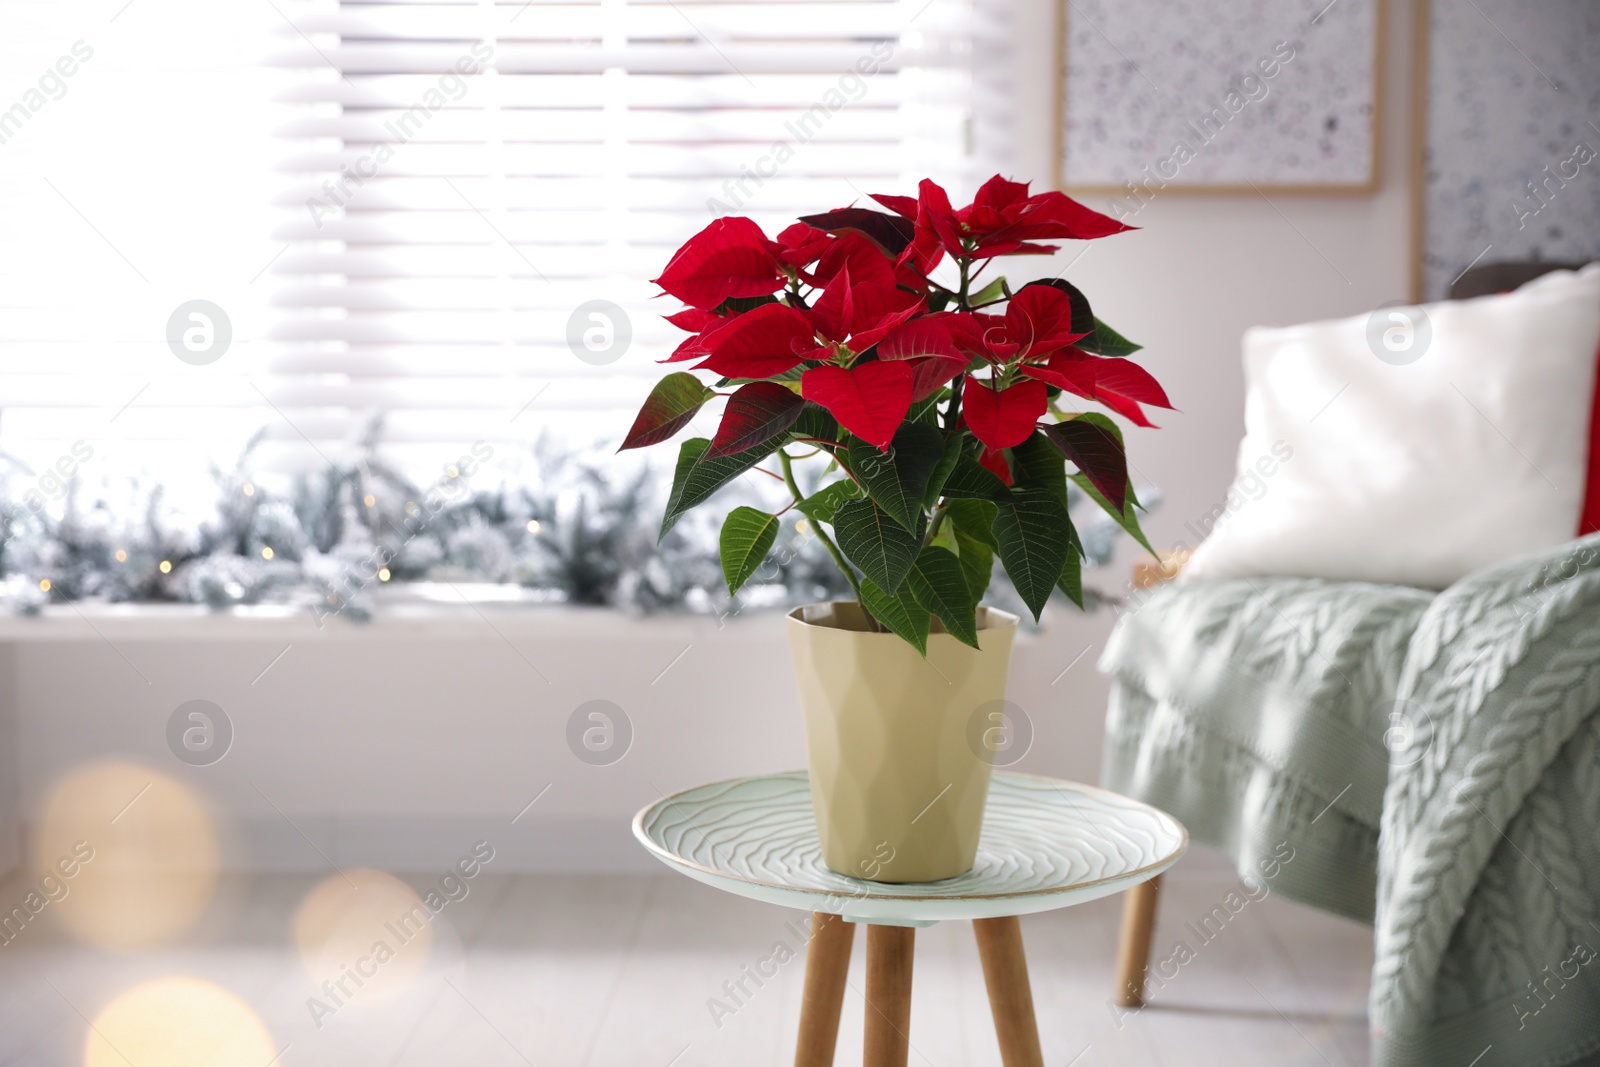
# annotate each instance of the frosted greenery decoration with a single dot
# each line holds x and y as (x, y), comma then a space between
(343, 540)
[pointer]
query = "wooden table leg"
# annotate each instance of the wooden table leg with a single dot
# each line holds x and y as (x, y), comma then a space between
(827, 965)
(888, 1029)
(1133, 955)
(1005, 972)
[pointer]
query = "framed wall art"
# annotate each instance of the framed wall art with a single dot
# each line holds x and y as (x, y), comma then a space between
(1185, 96)
(1508, 165)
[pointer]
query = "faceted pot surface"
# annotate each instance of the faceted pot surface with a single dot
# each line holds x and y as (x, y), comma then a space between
(899, 766)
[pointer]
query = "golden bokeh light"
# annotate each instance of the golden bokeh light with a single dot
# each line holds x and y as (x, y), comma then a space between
(364, 937)
(143, 852)
(178, 1022)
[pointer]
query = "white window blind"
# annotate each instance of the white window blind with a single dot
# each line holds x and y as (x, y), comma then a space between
(200, 152)
(461, 177)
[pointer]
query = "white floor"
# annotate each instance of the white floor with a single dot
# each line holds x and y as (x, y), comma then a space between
(618, 970)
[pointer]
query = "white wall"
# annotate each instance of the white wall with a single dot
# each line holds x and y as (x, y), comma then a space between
(397, 744)
(11, 764)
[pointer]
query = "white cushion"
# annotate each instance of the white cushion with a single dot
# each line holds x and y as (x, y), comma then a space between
(1363, 468)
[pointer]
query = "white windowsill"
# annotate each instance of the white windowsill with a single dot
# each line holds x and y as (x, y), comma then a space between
(425, 610)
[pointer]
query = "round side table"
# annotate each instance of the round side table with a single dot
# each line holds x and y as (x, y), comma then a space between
(1046, 844)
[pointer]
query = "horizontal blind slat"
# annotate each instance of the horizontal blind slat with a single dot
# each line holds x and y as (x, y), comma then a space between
(570, 22)
(648, 92)
(558, 128)
(691, 58)
(396, 192)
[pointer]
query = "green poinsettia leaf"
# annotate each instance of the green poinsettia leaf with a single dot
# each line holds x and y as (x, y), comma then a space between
(937, 583)
(747, 537)
(668, 409)
(815, 422)
(1126, 516)
(696, 477)
(1104, 341)
(941, 473)
(926, 411)
(820, 506)
(738, 305)
(995, 290)
(975, 519)
(1031, 528)
(973, 524)
(971, 480)
(1038, 462)
(1071, 580)
(882, 548)
(790, 375)
(897, 479)
(902, 615)
(977, 564)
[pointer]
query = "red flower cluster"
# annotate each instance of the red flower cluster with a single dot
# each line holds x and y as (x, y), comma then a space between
(841, 309)
(872, 337)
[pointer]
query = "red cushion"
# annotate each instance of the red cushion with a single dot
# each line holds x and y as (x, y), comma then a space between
(1589, 519)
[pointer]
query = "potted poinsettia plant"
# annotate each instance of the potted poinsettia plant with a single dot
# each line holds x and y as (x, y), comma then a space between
(947, 409)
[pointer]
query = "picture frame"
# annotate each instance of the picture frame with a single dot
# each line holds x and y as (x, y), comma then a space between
(1504, 149)
(1125, 119)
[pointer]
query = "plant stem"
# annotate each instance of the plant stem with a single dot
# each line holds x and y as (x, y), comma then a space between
(786, 461)
(934, 524)
(822, 535)
(844, 568)
(953, 413)
(964, 303)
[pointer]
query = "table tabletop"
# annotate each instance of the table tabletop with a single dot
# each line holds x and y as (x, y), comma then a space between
(1047, 843)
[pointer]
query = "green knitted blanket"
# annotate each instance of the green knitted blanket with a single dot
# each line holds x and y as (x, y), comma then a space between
(1433, 760)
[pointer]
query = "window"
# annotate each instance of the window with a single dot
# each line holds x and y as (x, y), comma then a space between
(468, 177)
(403, 208)
(135, 158)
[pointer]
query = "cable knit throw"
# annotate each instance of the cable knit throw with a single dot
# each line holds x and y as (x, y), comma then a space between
(1434, 760)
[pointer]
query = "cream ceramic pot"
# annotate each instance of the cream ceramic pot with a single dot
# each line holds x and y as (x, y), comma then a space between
(899, 760)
